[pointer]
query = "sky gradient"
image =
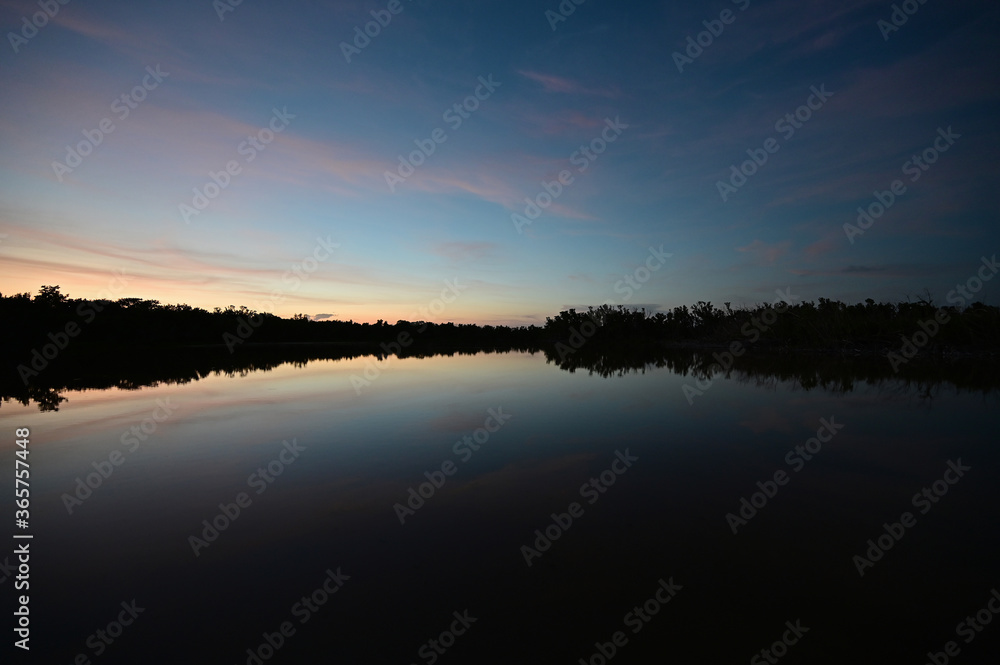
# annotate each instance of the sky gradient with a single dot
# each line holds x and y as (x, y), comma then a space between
(287, 118)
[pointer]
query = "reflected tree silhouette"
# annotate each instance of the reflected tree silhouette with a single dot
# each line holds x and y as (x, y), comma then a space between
(768, 369)
(131, 343)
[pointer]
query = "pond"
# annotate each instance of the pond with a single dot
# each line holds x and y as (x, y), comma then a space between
(494, 507)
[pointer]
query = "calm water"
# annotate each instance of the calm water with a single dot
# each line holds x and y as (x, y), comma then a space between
(652, 521)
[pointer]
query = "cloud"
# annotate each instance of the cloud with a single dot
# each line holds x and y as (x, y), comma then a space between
(763, 252)
(887, 271)
(110, 35)
(823, 246)
(464, 251)
(555, 123)
(321, 317)
(562, 85)
(200, 277)
(488, 188)
(862, 269)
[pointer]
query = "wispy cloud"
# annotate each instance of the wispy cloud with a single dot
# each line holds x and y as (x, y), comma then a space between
(464, 251)
(764, 252)
(874, 271)
(823, 246)
(566, 86)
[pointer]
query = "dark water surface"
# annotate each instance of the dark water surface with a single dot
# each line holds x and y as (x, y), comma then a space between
(652, 477)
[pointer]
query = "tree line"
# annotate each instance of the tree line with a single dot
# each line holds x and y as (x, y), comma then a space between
(52, 318)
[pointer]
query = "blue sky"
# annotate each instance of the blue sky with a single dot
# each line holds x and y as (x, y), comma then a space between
(553, 88)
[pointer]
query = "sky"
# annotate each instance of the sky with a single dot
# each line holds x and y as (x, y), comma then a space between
(497, 161)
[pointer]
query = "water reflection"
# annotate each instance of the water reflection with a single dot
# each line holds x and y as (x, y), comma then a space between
(799, 369)
(331, 506)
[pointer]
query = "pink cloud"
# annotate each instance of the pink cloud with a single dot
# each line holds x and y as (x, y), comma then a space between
(105, 32)
(460, 251)
(877, 272)
(84, 267)
(488, 188)
(824, 246)
(557, 84)
(762, 251)
(562, 122)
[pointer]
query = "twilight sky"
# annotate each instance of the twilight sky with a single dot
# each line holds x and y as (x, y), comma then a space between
(504, 97)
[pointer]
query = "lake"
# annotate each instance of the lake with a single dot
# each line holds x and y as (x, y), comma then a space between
(495, 507)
